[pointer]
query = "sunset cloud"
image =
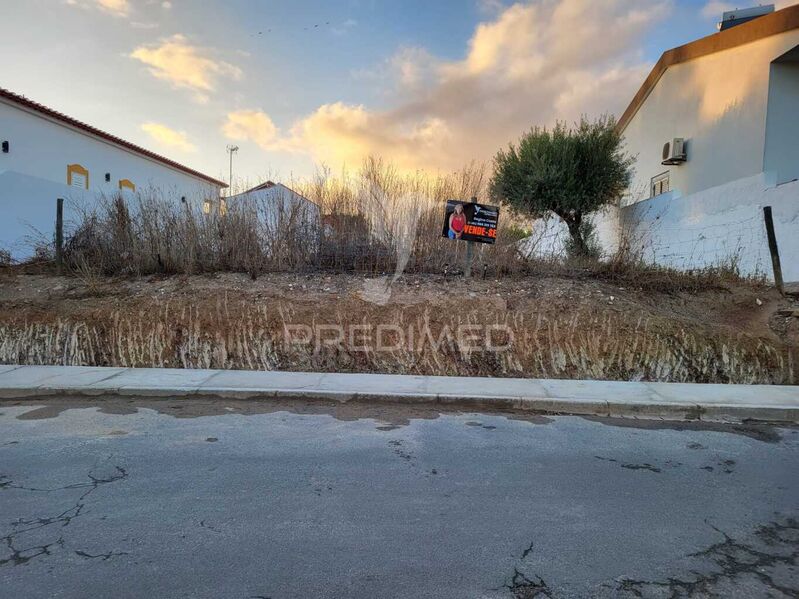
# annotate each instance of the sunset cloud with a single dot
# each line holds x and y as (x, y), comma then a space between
(532, 64)
(118, 8)
(115, 7)
(166, 136)
(251, 125)
(185, 65)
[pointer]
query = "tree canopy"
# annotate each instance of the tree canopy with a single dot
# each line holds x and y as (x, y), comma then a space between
(570, 171)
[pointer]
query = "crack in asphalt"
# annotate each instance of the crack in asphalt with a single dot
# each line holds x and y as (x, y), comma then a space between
(644, 466)
(17, 555)
(209, 527)
(523, 587)
(734, 560)
(102, 556)
(528, 551)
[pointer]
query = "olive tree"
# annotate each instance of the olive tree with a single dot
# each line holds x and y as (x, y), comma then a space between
(570, 171)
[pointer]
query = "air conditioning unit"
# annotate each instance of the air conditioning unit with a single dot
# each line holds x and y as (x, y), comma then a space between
(674, 151)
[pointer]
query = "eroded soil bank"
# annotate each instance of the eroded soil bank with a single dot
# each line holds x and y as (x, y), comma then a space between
(535, 326)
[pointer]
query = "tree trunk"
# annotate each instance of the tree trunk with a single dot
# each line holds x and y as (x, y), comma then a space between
(573, 222)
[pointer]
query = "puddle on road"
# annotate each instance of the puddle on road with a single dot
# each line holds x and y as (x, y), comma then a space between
(762, 432)
(389, 416)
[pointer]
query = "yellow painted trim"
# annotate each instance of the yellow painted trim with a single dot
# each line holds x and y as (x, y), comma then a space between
(77, 169)
(127, 183)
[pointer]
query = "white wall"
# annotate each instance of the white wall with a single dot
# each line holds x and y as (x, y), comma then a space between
(278, 204)
(718, 226)
(718, 104)
(28, 211)
(549, 235)
(34, 173)
(42, 148)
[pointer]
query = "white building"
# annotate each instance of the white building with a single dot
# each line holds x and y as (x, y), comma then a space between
(46, 155)
(731, 102)
(278, 206)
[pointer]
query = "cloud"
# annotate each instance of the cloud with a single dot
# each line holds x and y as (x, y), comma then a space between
(715, 8)
(405, 71)
(531, 64)
(117, 8)
(169, 137)
(490, 7)
(251, 125)
(185, 65)
(344, 134)
(343, 27)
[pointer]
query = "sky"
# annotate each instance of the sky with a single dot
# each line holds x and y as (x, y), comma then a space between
(300, 85)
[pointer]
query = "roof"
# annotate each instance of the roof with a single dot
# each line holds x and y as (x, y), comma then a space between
(271, 184)
(266, 185)
(118, 141)
(775, 23)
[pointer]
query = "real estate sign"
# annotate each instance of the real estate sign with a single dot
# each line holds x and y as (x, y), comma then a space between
(470, 221)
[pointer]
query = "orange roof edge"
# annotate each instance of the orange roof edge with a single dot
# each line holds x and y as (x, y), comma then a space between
(42, 109)
(774, 23)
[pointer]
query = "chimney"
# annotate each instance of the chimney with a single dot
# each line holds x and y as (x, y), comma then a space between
(731, 18)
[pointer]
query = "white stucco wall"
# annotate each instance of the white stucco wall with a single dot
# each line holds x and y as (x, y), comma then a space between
(42, 148)
(718, 103)
(34, 173)
(28, 210)
(278, 205)
(549, 235)
(719, 226)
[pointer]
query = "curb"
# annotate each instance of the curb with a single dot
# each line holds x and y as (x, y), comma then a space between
(666, 401)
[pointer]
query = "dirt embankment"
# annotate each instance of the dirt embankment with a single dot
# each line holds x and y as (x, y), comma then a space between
(545, 326)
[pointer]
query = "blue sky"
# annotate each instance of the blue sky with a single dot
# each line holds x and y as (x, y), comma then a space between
(426, 84)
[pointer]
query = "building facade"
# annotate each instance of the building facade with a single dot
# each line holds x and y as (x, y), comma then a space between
(278, 205)
(714, 130)
(46, 155)
(732, 98)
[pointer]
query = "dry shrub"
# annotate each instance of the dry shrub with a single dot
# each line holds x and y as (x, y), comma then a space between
(150, 234)
(376, 220)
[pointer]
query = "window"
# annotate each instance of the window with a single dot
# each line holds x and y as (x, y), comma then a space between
(127, 184)
(77, 176)
(207, 207)
(660, 184)
(222, 207)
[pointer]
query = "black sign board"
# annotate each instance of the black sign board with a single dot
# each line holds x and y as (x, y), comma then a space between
(471, 222)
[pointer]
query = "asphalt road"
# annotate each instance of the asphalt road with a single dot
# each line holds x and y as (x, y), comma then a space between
(242, 499)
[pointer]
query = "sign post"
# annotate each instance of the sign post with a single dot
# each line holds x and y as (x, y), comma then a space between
(59, 234)
(467, 268)
(470, 222)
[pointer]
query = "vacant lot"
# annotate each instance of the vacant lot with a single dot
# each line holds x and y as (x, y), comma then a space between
(540, 326)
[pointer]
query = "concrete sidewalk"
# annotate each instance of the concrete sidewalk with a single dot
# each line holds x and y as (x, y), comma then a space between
(675, 401)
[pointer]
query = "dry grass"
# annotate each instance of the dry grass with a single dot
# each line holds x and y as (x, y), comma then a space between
(375, 221)
(223, 333)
